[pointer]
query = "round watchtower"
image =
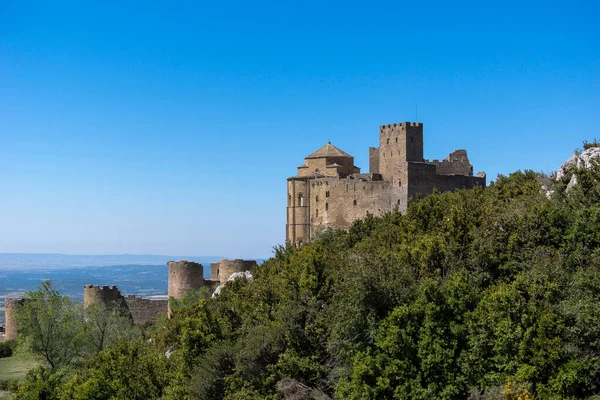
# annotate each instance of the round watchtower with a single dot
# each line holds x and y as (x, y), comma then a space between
(95, 295)
(226, 267)
(10, 322)
(184, 276)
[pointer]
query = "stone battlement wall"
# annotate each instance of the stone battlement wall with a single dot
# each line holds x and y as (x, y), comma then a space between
(96, 294)
(145, 310)
(457, 163)
(338, 202)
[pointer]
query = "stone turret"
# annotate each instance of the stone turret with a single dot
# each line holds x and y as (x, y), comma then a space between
(96, 294)
(184, 276)
(224, 268)
(11, 328)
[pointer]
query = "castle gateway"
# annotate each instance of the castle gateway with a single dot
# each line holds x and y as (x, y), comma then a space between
(329, 191)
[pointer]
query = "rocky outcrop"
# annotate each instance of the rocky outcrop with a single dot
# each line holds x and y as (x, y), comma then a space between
(584, 160)
(245, 274)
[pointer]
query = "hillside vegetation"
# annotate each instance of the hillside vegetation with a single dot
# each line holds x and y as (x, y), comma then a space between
(475, 294)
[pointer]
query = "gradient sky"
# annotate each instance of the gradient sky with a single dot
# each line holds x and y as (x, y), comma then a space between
(170, 128)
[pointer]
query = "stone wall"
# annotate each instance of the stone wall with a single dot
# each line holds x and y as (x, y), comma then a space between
(298, 211)
(10, 323)
(399, 143)
(145, 310)
(457, 163)
(224, 268)
(338, 202)
(374, 160)
(96, 294)
(183, 277)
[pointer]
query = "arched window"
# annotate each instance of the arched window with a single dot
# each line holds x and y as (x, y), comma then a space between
(354, 203)
(300, 200)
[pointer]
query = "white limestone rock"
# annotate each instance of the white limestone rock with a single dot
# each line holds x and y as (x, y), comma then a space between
(583, 160)
(236, 275)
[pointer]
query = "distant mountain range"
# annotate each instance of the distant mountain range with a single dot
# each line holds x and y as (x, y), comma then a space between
(54, 260)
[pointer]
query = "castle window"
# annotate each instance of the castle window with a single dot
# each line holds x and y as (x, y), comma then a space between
(317, 199)
(354, 203)
(412, 139)
(317, 213)
(388, 141)
(326, 206)
(399, 182)
(300, 200)
(396, 140)
(327, 194)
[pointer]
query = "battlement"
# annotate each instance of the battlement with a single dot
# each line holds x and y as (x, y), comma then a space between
(457, 163)
(403, 125)
(94, 294)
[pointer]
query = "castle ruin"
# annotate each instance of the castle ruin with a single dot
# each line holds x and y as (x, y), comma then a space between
(330, 192)
(183, 277)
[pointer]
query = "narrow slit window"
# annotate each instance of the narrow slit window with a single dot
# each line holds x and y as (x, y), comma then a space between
(326, 206)
(354, 203)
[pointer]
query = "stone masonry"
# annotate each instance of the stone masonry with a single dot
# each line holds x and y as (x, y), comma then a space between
(329, 191)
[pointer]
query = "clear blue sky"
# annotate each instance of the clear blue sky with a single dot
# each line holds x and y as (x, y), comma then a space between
(170, 128)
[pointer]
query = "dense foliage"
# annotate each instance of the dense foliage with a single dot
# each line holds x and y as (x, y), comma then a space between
(475, 294)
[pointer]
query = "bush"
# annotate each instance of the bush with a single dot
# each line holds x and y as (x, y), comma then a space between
(6, 348)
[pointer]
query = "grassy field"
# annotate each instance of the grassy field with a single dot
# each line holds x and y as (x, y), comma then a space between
(13, 368)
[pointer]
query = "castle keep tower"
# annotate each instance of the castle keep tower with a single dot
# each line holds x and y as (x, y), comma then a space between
(399, 144)
(11, 327)
(100, 295)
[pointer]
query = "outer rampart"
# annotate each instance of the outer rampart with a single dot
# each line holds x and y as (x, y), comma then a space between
(184, 276)
(224, 268)
(11, 327)
(338, 202)
(95, 294)
(145, 310)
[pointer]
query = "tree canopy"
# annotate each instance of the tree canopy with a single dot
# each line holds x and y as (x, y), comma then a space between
(475, 294)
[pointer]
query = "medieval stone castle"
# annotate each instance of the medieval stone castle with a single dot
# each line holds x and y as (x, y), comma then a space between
(183, 277)
(329, 191)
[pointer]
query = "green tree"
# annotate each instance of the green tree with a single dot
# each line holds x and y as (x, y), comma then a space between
(52, 326)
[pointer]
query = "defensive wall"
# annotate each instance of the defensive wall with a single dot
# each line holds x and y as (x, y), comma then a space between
(183, 276)
(224, 268)
(10, 322)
